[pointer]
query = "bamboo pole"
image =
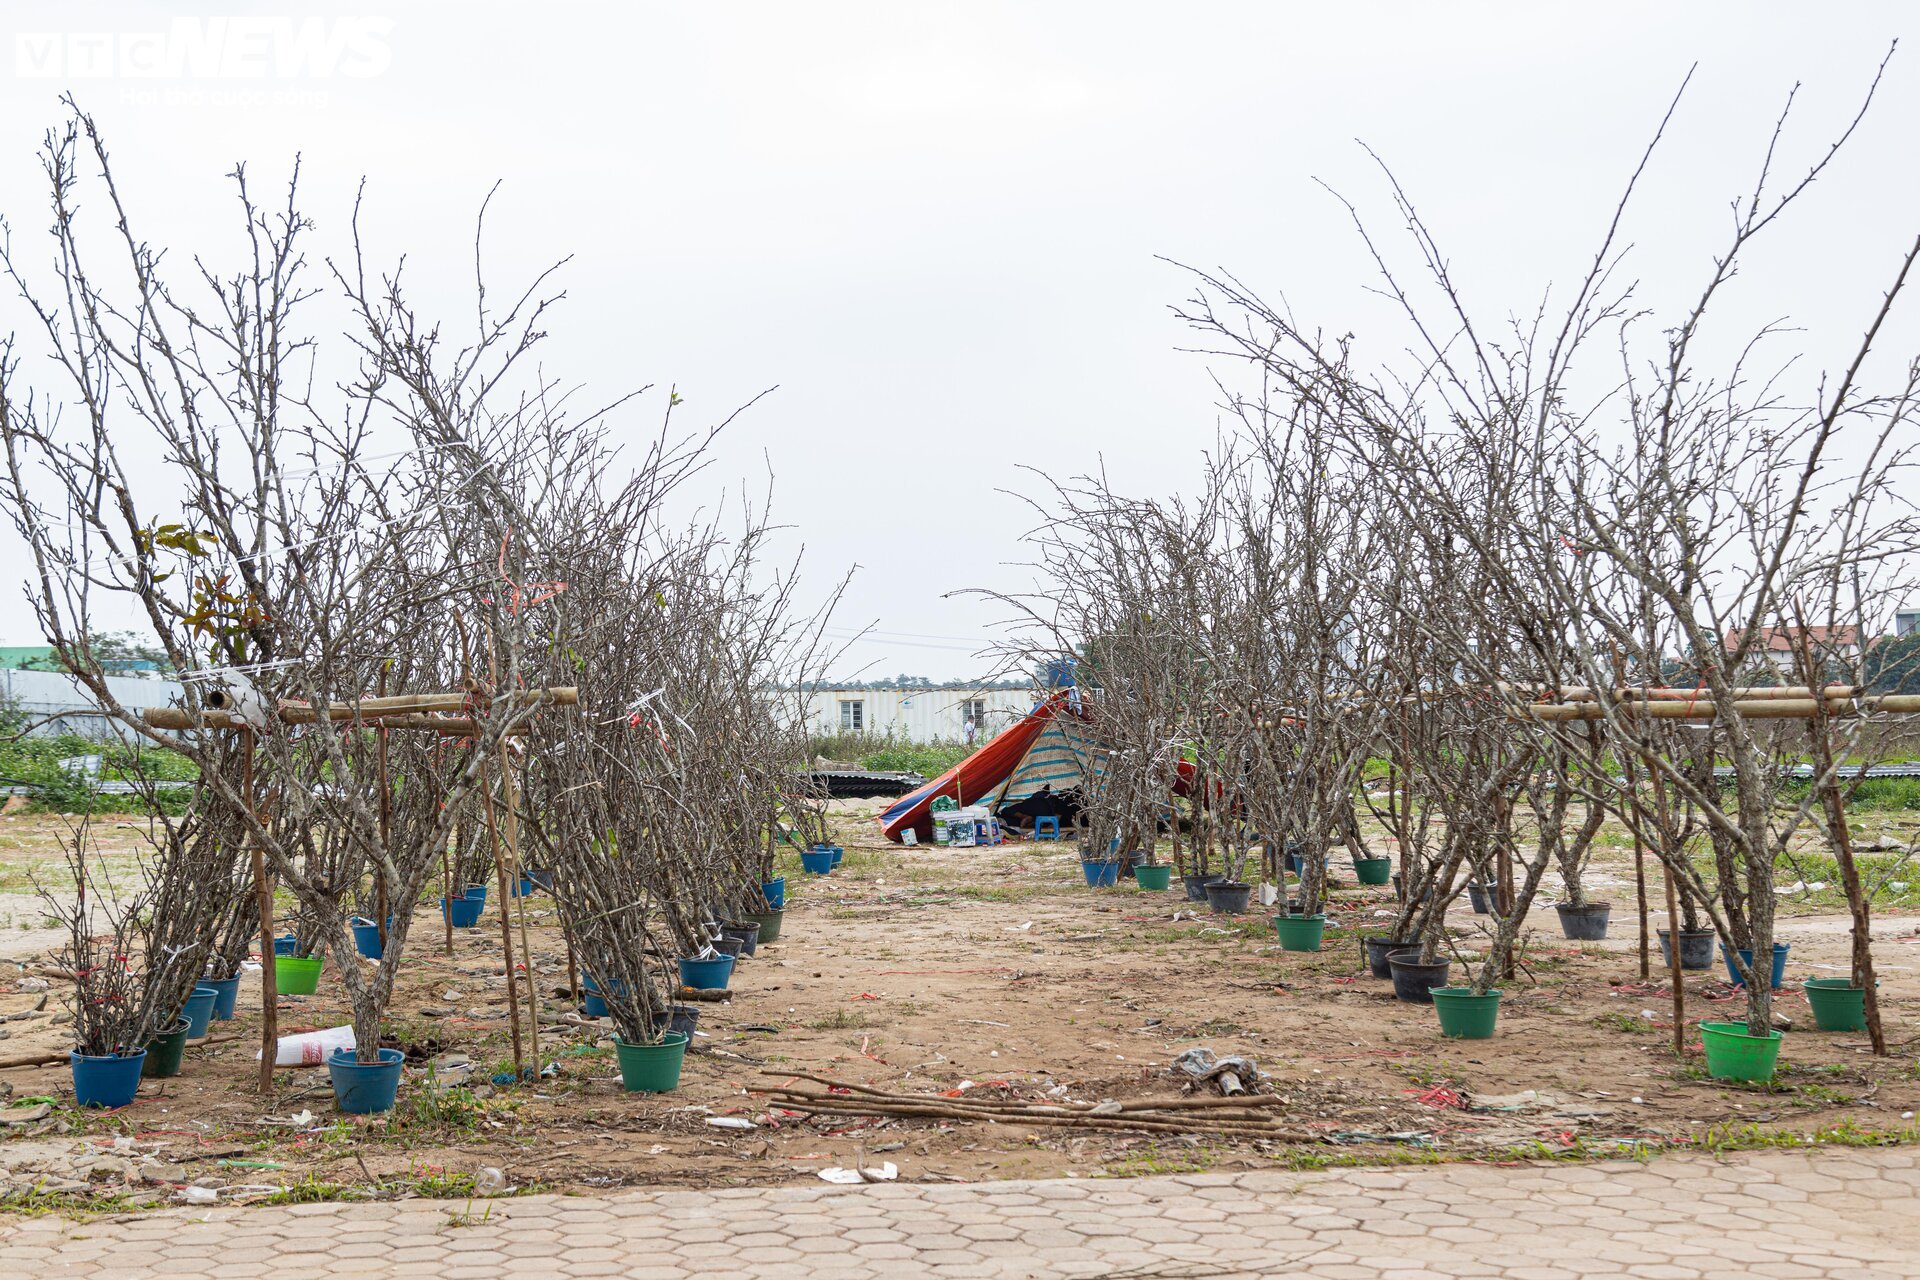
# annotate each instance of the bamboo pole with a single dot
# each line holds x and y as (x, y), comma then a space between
(1704, 709)
(386, 826)
(1674, 973)
(511, 874)
(263, 900)
(506, 936)
(179, 718)
(1674, 693)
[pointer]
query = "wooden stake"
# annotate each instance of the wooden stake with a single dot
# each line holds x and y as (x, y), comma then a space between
(386, 825)
(1673, 922)
(263, 896)
(506, 937)
(512, 870)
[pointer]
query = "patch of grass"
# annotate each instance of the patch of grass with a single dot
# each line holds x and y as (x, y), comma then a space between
(841, 1020)
(1625, 1022)
(1754, 1137)
(39, 1200)
(432, 1110)
(1156, 1160)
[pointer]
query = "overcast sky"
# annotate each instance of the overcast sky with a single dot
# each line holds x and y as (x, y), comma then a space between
(934, 226)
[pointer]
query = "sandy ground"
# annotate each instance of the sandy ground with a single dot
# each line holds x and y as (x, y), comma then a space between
(925, 970)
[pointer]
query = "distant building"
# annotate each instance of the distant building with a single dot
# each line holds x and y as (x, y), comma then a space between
(33, 657)
(43, 658)
(1780, 645)
(912, 712)
(1906, 622)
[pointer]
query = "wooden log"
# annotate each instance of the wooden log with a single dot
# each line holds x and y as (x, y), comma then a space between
(178, 718)
(1251, 1101)
(1703, 710)
(399, 711)
(938, 1109)
(34, 1058)
(1673, 693)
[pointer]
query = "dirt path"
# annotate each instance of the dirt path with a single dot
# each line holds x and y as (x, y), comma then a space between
(997, 970)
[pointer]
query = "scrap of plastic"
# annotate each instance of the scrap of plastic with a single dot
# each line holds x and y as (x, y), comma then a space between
(841, 1177)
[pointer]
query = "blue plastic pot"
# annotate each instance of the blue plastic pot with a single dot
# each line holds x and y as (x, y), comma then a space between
(478, 891)
(198, 1011)
(464, 911)
(366, 937)
(106, 1082)
(817, 861)
(522, 890)
(1746, 956)
(775, 892)
(837, 852)
(1100, 874)
(541, 879)
(706, 975)
(362, 1088)
(226, 991)
(286, 945)
(595, 1004)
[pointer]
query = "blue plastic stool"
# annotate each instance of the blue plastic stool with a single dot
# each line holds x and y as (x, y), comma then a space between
(1047, 828)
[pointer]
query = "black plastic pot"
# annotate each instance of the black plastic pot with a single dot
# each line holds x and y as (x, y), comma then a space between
(729, 946)
(1197, 886)
(1378, 949)
(1481, 899)
(1584, 924)
(1228, 898)
(1413, 981)
(748, 933)
(1696, 948)
(680, 1017)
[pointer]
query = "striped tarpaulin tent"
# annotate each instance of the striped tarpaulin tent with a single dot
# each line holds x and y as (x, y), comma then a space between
(979, 777)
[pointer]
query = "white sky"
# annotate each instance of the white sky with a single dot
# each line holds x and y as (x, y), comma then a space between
(934, 226)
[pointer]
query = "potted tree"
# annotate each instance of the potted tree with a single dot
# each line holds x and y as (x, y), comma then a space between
(111, 1010)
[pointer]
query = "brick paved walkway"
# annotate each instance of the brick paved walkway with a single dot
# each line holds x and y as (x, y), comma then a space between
(1852, 1214)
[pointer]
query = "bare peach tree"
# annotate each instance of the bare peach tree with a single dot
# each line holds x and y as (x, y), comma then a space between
(1662, 529)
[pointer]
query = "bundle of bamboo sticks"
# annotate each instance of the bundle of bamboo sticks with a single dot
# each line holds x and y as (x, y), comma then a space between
(1241, 1117)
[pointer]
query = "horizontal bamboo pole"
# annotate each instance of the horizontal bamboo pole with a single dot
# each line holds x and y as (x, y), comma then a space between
(407, 711)
(451, 726)
(1670, 693)
(1704, 709)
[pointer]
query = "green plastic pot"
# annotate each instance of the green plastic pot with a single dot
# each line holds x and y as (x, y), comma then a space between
(1732, 1054)
(1153, 879)
(1300, 933)
(1373, 870)
(164, 1052)
(651, 1068)
(769, 922)
(1838, 1005)
(297, 975)
(1465, 1014)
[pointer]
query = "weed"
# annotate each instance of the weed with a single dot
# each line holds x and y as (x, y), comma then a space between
(1426, 1075)
(1625, 1022)
(841, 1020)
